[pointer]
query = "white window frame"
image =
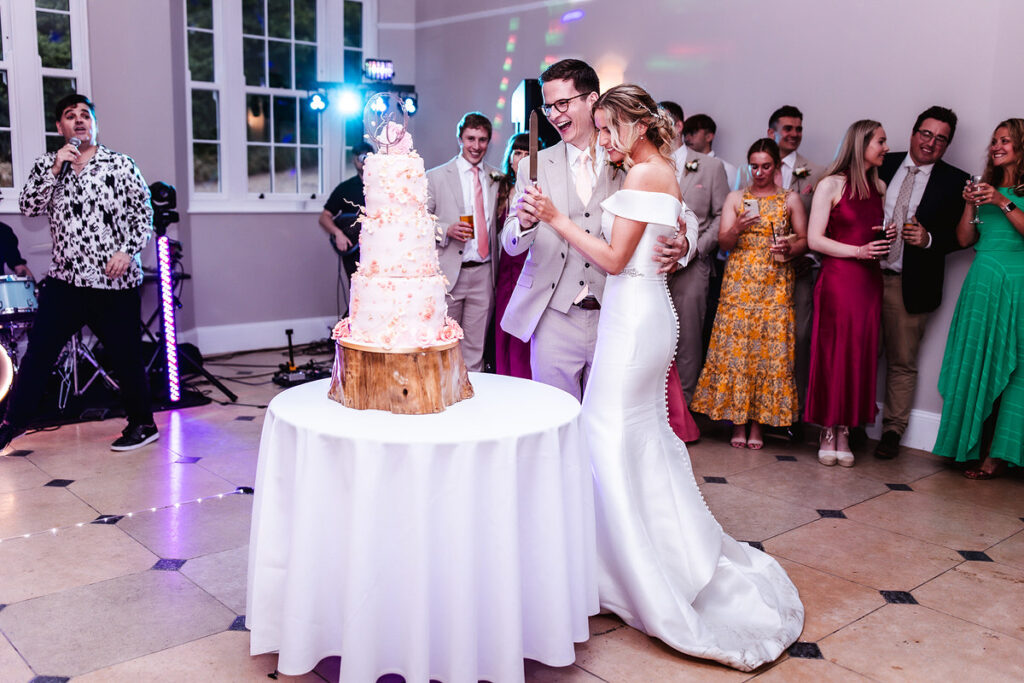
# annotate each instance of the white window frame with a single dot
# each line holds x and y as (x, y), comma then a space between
(25, 83)
(229, 82)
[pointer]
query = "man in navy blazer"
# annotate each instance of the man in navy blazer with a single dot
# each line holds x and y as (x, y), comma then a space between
(913, 279)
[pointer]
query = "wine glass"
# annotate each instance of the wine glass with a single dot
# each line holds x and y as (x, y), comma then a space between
(975, 179)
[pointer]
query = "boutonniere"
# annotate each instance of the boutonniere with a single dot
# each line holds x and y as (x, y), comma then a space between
(692, 166)
(496, 177)
(801, 172)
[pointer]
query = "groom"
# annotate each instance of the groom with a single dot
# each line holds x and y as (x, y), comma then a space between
(557, 299)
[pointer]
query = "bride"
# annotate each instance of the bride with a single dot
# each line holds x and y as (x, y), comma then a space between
(665, 565)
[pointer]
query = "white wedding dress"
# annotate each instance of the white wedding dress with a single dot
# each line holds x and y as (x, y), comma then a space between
(665, 565)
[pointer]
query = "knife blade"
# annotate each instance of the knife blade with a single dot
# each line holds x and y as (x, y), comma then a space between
(533, 146)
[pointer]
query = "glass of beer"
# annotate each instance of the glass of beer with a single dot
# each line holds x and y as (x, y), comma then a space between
(468, 218)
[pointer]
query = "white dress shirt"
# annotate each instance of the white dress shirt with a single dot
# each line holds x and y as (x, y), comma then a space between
(920, 182)
(730, 172)
(470, 252)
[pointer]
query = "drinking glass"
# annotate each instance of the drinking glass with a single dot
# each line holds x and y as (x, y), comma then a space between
(975, 179)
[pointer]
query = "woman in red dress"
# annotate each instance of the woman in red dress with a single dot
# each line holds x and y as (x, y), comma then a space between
(845, 227)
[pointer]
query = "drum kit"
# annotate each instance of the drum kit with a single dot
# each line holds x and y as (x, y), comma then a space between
(18, 306)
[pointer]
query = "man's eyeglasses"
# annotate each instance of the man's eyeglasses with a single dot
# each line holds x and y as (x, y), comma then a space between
(560, 105)
(928, 136)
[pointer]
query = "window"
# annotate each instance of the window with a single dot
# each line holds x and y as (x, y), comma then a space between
(42, 58)
(251, 67)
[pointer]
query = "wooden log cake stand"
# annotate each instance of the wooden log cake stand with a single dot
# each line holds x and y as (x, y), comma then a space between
(406, 381)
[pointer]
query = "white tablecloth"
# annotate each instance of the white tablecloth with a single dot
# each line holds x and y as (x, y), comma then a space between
(445, 546)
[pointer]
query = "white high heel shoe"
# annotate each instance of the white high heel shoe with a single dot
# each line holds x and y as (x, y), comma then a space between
(827, 447)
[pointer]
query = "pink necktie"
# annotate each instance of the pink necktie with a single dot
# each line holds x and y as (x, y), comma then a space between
(584, 188)
(479, 217)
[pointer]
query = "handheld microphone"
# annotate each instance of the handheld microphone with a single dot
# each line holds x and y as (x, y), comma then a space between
(66, 166)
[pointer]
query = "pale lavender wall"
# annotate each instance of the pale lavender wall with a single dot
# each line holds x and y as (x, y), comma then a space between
(738, 60)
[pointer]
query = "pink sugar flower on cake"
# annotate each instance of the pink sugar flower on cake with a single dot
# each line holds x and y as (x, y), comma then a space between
(343, 330)
(450, 331)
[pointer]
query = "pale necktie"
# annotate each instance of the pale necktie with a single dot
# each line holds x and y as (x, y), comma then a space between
(899, 214)
(584, 188)
(479, 217)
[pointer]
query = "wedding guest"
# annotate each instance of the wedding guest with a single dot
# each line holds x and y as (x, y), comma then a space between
(10, 255)
(748, 375)
(512, 355)
(699, 134)
(468, 186)
(846, 216)
(982, 377)
(675, 114)
(923, 199)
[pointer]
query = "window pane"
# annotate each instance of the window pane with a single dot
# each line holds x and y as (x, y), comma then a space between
(1, 42)
(309, 170)
(309, 124)
(53, 89)
(284, 120)
(255, 57)
(305, 20)
(206, 167)
(353, 24)
(285, 174)
(353, 130)
(54, 37)
(257, 119)
(5, 102)
(52, 4)
(6, 160)
(200, 55)
(305, 67)
(252, 17)
(204, 115)
(353, 66)
(279, 64)
(200, 13)
(279, 18)
(54, 142)
(259, 169)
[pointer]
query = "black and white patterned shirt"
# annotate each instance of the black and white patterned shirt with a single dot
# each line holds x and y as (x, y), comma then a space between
(102, 210)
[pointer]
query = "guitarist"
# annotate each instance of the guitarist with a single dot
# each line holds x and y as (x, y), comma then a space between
(338, 219)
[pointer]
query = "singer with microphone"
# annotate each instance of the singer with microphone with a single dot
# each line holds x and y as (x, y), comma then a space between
(100, 219)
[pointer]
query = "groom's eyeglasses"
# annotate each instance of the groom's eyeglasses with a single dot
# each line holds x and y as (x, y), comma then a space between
(560, 105)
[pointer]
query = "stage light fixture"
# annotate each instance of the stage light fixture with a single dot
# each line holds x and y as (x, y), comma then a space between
(378, 104)
(378, 69)
(318, 102)
(350, 102)
(410, 103)
(164, 199)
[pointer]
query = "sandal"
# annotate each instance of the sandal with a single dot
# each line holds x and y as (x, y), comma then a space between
(739, 437)
(827, 447)
(980, 474)
(755, 443)
(844, 455)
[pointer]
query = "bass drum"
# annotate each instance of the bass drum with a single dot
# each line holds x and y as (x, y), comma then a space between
(7, 371)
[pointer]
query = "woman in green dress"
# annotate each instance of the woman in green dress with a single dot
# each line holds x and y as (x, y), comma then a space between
(982, 378)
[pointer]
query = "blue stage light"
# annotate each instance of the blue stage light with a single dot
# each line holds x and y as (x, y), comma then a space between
(410, 104)
(350, 102)
(318, 102)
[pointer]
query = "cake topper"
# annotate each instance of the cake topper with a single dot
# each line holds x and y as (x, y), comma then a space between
(387, 123)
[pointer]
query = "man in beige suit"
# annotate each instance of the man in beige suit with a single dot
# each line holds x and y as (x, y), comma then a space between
(557, 299)
(704, 184)
(466, 186)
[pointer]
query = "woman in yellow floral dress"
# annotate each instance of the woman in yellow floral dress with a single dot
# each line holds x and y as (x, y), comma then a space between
(748, 375)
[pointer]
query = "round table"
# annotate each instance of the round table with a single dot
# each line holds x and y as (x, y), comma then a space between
(447, 546)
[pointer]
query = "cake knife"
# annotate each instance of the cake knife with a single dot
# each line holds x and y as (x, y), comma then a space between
(533, 146)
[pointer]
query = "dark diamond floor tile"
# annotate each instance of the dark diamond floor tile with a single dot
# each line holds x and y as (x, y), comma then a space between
(898, 597)
(167, 565)
(805, 650)
(19, 454)
(245, 418)
(247, 490)
(974, 555)
(50, 679)
(715, 480)
(786, 458)
(832, 514)
(238, 624)
(60, 482)
(2, 607)
(187, 461)
(899, 487)
(755, 544)
(108, 519)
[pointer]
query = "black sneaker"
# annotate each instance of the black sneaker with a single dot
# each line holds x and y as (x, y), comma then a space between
(135, 436)
(8, 433)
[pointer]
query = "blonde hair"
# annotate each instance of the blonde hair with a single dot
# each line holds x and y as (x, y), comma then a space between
(1015, 127)
(627, 106)
(850, 160)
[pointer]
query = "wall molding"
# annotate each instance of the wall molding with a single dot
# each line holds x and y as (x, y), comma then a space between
(269, 334)
(922, 428)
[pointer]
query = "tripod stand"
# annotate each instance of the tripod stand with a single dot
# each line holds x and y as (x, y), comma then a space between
(71, 384)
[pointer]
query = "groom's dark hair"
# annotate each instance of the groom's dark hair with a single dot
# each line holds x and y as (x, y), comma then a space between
(582, 75)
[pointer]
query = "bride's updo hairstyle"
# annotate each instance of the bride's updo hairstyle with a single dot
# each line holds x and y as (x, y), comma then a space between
(627, 106)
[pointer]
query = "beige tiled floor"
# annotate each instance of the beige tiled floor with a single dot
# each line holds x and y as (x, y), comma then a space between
(86, 602)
